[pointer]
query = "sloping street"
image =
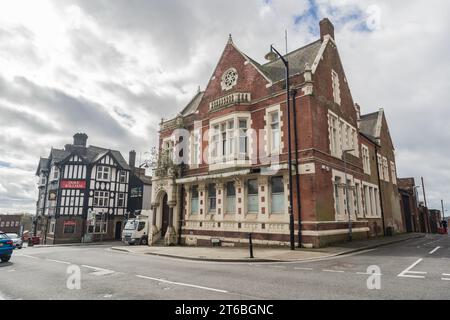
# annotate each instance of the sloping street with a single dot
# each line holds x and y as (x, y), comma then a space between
(413, 269)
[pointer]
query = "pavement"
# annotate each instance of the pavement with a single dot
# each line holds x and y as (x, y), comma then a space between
(264, 254)
(415, 269)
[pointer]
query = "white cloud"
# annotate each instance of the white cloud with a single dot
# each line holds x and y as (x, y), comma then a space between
(113, 69)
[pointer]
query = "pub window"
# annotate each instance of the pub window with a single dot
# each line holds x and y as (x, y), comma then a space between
(101, 226)
(277, 189)
(212, 198)
(55, 173)
(231, 197)
(194, 200)
(103, 173)
(123, 177)
(69, 228)
(101, 198)
(252, 195)
(121, 200)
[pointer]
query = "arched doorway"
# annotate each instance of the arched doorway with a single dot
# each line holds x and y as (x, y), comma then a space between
(165, 216)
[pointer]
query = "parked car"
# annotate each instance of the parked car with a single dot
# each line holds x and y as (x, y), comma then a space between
(18, 242)
(6, 247)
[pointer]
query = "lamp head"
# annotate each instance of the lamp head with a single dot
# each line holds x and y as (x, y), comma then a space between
(271, 56)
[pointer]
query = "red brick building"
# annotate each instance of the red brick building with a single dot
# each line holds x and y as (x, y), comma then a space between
(223, 169)
(10, 223)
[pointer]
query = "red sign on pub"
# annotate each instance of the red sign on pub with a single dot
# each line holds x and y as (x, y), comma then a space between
(73, 184)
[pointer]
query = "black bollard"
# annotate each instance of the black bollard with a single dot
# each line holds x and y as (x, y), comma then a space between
(250, 243)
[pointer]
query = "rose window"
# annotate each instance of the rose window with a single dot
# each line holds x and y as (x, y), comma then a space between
(229, 79)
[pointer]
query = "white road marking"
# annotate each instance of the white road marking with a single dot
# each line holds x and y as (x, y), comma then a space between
(445, 279)
(434, 250)
(370, 274)
(405, 272)
(26, 256)
(335, 271)
(432, 242)
(98, 271)
(58, 261)
(308, 269)
(182, 284)
(278, 267)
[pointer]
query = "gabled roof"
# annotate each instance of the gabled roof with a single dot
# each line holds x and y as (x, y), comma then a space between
(90, 154)
(96, 153)
(298, 58)
(57, 155)
(193, 104)
(369, 124)
(43, 164)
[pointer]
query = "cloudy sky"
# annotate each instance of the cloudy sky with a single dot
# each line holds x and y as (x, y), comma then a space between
(113, 69)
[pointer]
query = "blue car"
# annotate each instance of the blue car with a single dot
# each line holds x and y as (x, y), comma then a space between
(6, 247)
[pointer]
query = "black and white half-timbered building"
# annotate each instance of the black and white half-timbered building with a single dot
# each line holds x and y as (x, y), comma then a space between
(83, 193)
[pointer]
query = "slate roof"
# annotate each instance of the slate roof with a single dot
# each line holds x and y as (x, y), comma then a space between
(43, 163)
(193, 104)
(275, 70)
(368, 124)
(90, 154)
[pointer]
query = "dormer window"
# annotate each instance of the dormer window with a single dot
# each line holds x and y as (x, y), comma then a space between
(229, 79)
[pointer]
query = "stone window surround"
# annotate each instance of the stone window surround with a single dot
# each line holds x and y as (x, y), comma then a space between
(341, 143)
(244, 216)
(268, 134)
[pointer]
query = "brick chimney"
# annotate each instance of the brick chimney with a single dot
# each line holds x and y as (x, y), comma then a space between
(80, 139)
(326, 28)
(132, 159)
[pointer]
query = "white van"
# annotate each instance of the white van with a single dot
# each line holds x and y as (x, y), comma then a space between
(136, 230)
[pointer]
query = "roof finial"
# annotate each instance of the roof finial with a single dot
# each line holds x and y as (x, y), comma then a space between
(199, 89)
(230, 38)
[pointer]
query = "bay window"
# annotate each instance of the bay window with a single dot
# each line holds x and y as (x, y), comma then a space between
(243, 139)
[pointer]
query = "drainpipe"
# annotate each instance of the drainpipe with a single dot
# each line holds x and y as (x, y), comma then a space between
(180, 220)
(379, 188)
(297, 173)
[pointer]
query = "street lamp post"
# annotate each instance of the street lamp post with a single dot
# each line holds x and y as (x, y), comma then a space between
(344, 154)
(272, 55)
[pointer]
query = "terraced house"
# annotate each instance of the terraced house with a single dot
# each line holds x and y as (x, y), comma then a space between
(223, 170)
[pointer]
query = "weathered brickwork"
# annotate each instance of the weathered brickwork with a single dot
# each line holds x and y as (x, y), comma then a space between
(321, 91)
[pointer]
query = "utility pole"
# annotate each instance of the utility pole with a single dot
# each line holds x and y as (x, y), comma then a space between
(424, 195)
(443, 211)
